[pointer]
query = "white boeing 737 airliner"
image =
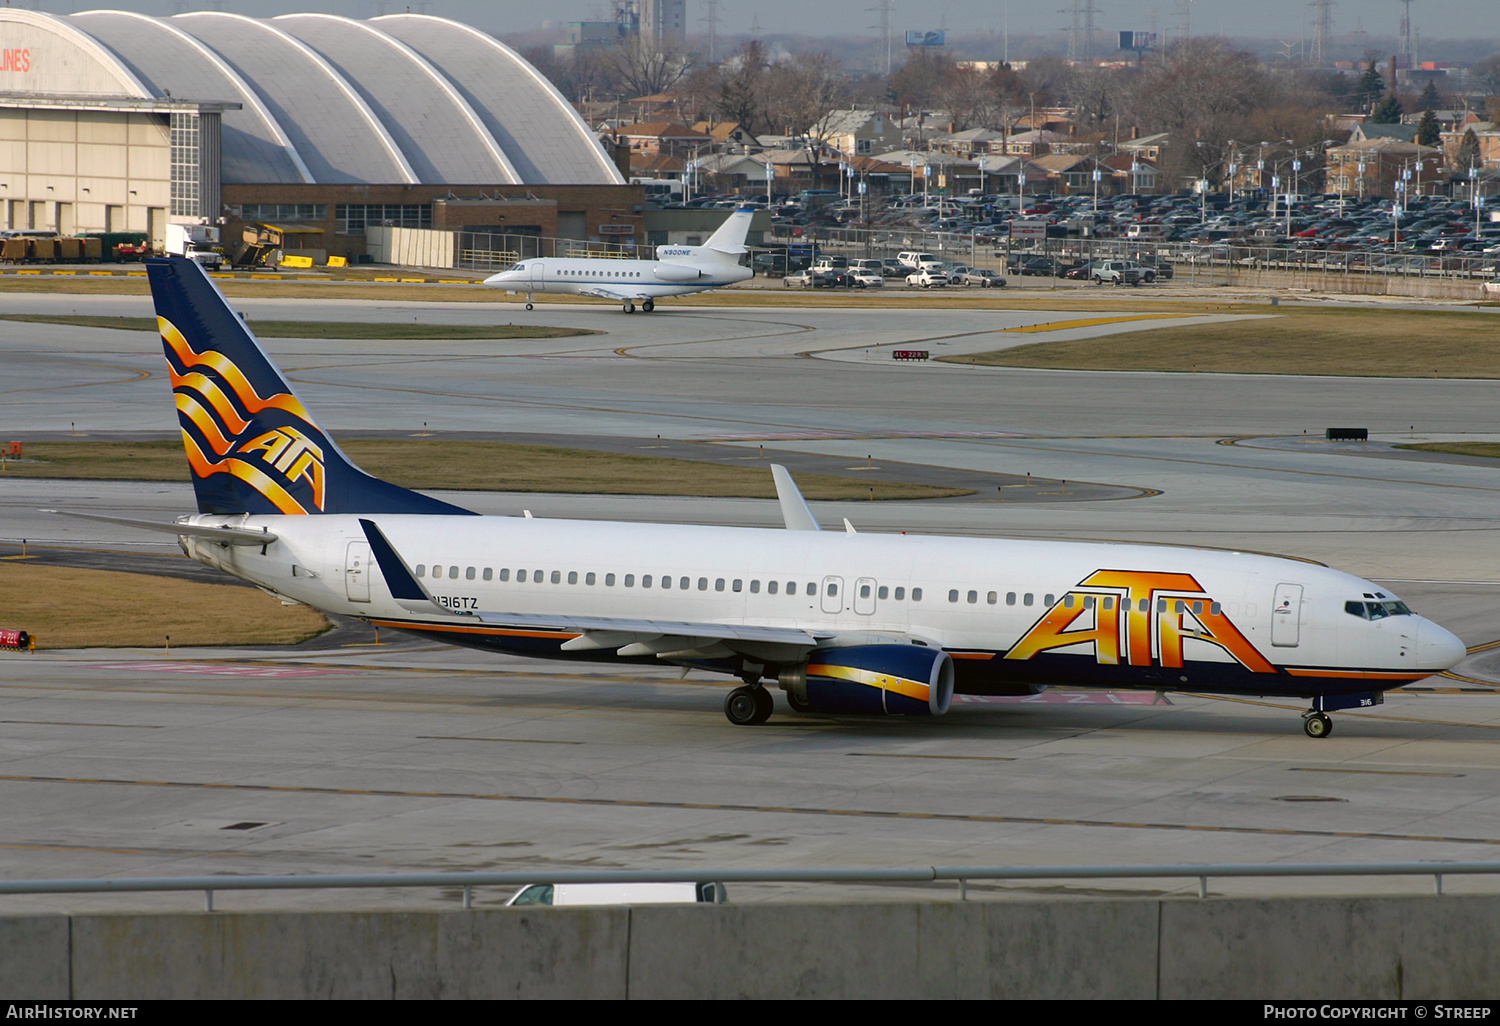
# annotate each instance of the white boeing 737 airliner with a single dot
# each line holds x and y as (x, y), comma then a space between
(840, 622)
(676, 271)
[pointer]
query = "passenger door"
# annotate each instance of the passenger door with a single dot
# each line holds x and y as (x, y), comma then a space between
(864, 596)
(1286, 616)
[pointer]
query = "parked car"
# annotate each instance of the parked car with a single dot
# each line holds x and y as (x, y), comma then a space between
(927, 279)
(864, 278)
(810, 279)
(914, 261)
(1043, 267)
(983, 277)
(1119, 272)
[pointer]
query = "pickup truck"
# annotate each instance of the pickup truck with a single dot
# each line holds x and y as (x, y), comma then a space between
(1119, 272)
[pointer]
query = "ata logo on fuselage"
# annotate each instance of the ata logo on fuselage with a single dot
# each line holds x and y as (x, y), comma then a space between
(1138, 618)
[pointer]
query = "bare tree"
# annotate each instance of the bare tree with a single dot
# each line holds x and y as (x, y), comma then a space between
(645, 67)
(742, 83)
(808, 92)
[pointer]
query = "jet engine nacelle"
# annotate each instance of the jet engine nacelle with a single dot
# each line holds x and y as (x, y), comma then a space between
(891, 680)
(676, 272)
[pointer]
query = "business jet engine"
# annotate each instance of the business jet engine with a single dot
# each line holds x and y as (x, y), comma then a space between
(676, 272)
(890, 680)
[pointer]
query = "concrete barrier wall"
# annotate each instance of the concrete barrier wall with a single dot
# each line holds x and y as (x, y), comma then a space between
(1387, 948)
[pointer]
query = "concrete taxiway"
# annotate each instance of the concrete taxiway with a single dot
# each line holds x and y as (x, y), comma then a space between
(410, 757)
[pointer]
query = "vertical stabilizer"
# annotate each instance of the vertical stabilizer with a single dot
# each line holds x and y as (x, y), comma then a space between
(729, 239)
(252, 446)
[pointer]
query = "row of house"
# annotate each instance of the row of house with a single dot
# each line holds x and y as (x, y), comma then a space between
(1041, 151)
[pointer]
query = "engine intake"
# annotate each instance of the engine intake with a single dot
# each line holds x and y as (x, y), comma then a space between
(890, 680)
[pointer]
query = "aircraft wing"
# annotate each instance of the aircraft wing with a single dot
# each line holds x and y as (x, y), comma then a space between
(631, 637)
(618, 295)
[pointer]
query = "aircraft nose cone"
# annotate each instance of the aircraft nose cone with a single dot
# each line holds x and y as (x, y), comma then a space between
(1437, 649)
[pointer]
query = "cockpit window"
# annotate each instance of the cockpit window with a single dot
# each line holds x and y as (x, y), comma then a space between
(1376, 610)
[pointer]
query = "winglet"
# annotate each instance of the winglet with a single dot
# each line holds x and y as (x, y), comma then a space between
(793, 507)
(403, 585)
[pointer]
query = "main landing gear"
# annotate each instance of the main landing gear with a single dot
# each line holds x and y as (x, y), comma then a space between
(646, 305)
(749, 706)
(1316, 724)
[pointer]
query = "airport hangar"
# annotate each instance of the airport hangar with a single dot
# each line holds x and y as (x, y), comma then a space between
(320, 125)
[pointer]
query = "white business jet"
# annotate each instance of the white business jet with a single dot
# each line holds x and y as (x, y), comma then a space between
(676, 271)
(840, 622)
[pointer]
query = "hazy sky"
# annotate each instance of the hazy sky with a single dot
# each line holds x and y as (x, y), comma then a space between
(1283, 19)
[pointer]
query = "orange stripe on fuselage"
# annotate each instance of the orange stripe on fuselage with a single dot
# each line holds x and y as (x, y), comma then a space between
(1361, 674)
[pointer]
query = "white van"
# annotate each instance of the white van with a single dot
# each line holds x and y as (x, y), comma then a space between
(619, 894)
(918, 261)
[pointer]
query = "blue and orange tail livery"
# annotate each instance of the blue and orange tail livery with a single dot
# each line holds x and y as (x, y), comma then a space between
(252, 445)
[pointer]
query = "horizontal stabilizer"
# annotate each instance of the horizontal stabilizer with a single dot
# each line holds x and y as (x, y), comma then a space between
(222, 535)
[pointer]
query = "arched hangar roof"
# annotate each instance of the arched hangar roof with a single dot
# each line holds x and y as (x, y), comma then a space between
(326, 99)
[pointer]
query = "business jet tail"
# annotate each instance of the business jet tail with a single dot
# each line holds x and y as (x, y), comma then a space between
(252, 446)
(729, 239)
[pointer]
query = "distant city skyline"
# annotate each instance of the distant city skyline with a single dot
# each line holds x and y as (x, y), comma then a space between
(1288, 20)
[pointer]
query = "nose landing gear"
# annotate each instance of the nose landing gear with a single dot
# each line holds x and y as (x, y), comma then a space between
(1316, 724)
(528, 300)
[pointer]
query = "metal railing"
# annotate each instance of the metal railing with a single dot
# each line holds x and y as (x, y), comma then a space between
(962, 875)
(482, 251)
(1272, 261)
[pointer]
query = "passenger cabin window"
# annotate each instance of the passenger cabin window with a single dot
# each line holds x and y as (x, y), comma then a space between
(916, 594)
(421, 569)
(505, 574)
(489, 574)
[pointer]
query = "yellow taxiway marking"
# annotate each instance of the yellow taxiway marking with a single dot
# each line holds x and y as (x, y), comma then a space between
(783, 809)
(1091, 322)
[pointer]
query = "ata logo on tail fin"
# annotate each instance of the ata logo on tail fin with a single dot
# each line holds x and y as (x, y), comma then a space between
(252, 445)
(217, 406)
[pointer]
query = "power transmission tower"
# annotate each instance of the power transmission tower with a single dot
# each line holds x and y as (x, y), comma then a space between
(1322, 29)
(711, 19)
(1185, 19)
(883, 8)
(1081, 30)
(1408, 47)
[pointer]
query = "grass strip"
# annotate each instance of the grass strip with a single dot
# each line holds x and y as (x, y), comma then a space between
(1320, 341)
(67, 607)
(478, 466)
(326, 329)
(1489, 450)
